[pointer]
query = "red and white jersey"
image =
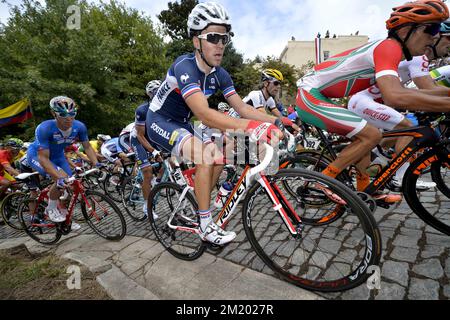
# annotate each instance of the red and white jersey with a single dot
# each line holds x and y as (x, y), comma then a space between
(418, 67)
(355, 70)
(408, 70)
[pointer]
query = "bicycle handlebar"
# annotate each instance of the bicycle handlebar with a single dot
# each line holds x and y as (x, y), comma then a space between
(265, 162)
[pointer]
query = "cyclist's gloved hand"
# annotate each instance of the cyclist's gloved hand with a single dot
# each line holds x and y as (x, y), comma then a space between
(78, 170)
(288, 123)
(265, 132)
(61, 183)
(156, 153)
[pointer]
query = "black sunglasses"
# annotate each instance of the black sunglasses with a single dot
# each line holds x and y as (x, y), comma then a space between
(432, 29)
(276, 83)
(214, 37)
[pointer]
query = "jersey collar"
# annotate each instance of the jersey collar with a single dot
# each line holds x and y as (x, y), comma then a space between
(198, 66)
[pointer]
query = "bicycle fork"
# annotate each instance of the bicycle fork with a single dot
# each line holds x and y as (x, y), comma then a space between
(283, 207)
(182, 206)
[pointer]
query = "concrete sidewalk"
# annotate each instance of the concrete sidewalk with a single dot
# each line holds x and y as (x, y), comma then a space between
(140, 269)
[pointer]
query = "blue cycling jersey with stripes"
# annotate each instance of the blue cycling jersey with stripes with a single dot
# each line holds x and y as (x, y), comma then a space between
(183, 79)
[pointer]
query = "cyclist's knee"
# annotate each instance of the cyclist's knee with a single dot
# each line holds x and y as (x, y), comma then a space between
(147, 173)
(370, 134)
(405, 124)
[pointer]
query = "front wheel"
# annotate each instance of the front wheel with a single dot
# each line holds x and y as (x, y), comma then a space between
(433, 205)
(103, 216)
(327, 257)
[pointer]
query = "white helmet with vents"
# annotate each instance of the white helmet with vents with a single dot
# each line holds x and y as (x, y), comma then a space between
(206, 14)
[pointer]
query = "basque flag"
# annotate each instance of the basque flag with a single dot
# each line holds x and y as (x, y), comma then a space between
(17, 113)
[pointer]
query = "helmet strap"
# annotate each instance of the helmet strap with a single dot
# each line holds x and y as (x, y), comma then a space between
(406, 52)
(202, 55)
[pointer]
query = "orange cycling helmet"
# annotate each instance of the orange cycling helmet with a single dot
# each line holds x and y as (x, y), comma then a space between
(418, 12)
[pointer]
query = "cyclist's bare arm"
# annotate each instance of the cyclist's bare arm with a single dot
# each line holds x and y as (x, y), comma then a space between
(13, 172)
(82, 156)
(90, 152)
(248, 112)
(69, 161)
(44, 160)
(276, 113)
(427, 85)
(124, 157)
(212, 118)
(142, 140)
(395, 95)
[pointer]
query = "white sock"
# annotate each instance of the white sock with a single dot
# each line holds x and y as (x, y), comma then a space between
(401, 172)
(205, 219)
(52, 204)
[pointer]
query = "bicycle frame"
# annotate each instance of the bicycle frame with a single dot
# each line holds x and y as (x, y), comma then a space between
(280, 203)
(78, 190)
(424, 137)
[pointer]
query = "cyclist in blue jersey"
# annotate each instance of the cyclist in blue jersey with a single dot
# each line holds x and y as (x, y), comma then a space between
(140, 142)
(46, 154)
(184, 93)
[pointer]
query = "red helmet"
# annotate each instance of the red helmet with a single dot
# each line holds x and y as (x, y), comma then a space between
(419, 12)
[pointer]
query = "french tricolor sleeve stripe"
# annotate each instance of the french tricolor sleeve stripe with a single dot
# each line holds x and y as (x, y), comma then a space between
(228, 92)
(386, 73)
(190, 90)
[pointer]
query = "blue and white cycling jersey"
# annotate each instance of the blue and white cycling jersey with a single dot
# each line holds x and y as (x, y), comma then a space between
(167, 121)
(141, 114)
(183, 79)
(112, 146)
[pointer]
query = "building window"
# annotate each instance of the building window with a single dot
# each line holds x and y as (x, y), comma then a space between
(326, 55)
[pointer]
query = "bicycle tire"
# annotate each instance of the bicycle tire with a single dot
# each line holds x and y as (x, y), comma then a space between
(183, 245)
(132, 207)
(45, 225)
(9, 209)
(98, 214)
(437, 176)
(428, 213)
(111, 186)
(289, 261)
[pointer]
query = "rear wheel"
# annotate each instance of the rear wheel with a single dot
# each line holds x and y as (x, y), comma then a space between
(111, 186)
(132, 199)
(36, 223)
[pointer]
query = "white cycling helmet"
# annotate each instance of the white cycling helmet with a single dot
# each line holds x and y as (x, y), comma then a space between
(206, 14)
(103, 137)
(223, 107)
(152, 87)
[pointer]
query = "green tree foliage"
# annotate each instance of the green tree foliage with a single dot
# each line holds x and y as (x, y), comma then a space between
(174, 21)
(104, 66)
(290, 74)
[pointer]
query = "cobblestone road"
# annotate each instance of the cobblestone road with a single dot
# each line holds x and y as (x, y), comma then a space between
(415, 262)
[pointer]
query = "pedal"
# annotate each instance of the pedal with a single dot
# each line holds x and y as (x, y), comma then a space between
(370, 202)
(383, 204)
(391, 187)
(214, 248)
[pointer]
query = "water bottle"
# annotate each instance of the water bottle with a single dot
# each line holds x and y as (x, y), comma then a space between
(224, 191)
